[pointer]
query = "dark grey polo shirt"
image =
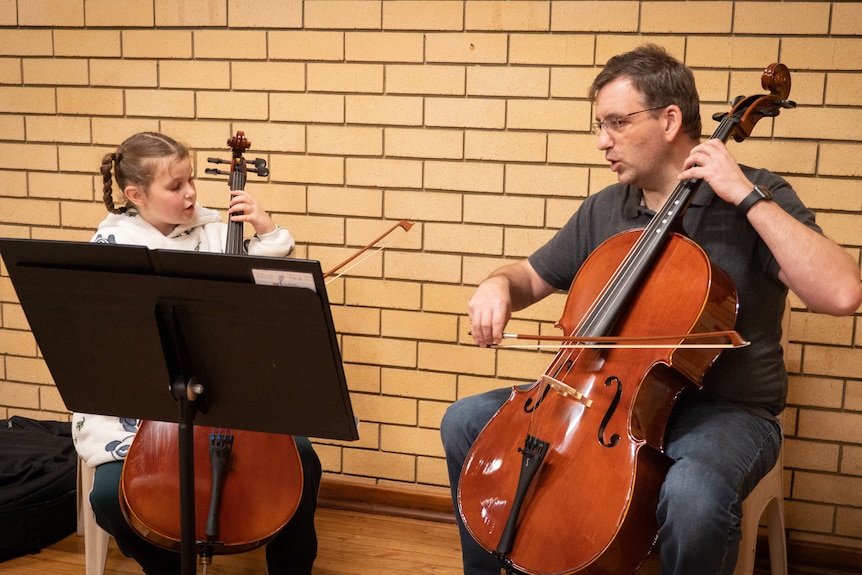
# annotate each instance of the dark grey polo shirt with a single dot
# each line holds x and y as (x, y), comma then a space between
(754, 375)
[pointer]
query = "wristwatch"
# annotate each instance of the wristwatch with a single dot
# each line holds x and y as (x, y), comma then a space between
(752, 198)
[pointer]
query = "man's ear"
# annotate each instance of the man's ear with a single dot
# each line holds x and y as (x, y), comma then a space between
(672, 122)
(135, 195)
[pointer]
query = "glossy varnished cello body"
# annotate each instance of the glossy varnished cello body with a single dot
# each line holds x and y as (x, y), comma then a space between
(566, 476)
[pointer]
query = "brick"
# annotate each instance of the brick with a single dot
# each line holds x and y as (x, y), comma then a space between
(81, 215)
(314, 229)
(687, 18)
(388, 294)
(546, 180)
(18, 343)
(464, 176)
(853, 395)
(383, 172)
(383, 46)
(309, 169)
(523, 242)
(426, 15)
(58, 13)
(311, 108)
(508, 15)
(514, 82)
(356, 320)
(827, 488)
(848, 522)
(343, 14)
(572, 83)
(278, 13)
(362, 378)
(833, 160)
(431, 412)
(809, 18)
(818, 328)
(414, 440)
(846, 18)
(112, 131)
(113, 13)
(851, 460)
(430, 385)
(385, 409)
(58, 129)
(157, 44)
(432, 471)
(466, 48)
(194, 73)
(160, 103)
(505, 146)
(829, 425)
(61, 186)
(56, 72)
(10, 71)
(345, 201)
(202, 13)
(28, 370)
(351, 78)
(455, 358)
(233, 44)
(22, 42)
(550, 115)
(812, 53)
(424, 143)
(578, 148)
(425, 205)
(463, 238)
(25, 99)
(34, 156)
(388, 110)
(269, 76)
(19, 395)
(842, 89)
(810, 455)
(360, 231)
(598, 16)
(14, 318)
(504, 210)
(824, 193)
(557, 49)
(124, 73)
(306, 45)
(443, 80)
(816, 392)
(263, 137)
(231, 104)
(446, 298)
(465, 113)
(829, 123)
(808, 516)
(609, 45)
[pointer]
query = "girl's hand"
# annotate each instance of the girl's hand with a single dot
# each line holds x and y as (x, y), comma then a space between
(244, 208)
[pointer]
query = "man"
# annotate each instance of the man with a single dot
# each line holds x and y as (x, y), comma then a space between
(725, 437)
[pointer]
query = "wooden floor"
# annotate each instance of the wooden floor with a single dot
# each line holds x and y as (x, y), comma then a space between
(350, 543)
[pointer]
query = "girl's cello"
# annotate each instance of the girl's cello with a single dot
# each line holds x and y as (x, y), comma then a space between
(566, 476)
(247, 484)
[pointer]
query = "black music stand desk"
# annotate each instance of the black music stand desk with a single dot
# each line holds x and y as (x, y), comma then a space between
(229, 341)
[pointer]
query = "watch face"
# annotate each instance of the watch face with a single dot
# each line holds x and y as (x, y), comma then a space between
(764, 192)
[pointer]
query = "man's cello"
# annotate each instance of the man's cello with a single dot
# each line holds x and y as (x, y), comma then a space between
(565, 478)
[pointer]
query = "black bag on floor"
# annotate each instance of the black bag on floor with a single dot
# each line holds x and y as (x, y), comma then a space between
(38, 481)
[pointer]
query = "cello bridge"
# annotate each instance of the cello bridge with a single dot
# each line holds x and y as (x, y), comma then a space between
(567, 390)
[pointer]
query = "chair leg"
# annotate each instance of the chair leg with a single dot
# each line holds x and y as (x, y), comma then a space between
(777, 542)
(96, 539)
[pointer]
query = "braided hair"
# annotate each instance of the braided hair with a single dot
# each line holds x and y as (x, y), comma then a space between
(132, 164)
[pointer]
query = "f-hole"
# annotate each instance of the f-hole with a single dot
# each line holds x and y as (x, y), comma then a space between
(615, 438)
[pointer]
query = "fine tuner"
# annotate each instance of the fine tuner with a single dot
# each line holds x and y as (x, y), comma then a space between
(259, 166)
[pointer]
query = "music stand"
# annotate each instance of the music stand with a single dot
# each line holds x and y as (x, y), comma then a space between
(153, 334)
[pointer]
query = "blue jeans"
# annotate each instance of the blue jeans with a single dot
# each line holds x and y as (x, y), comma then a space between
(720, 452)
(291, 552)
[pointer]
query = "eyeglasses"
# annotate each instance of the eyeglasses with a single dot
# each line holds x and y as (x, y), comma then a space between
(616, 123)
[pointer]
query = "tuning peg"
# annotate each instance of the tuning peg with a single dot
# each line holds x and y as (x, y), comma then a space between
(217, 161)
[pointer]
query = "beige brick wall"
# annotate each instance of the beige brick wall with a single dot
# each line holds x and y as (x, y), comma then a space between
(466, 117)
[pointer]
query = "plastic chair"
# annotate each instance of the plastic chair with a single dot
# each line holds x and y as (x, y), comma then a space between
(96, 539)
(766, 498)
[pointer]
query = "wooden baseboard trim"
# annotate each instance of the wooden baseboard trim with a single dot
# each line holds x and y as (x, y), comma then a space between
(804, 557)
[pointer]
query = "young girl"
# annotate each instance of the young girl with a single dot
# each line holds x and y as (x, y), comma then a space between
(155, 175)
